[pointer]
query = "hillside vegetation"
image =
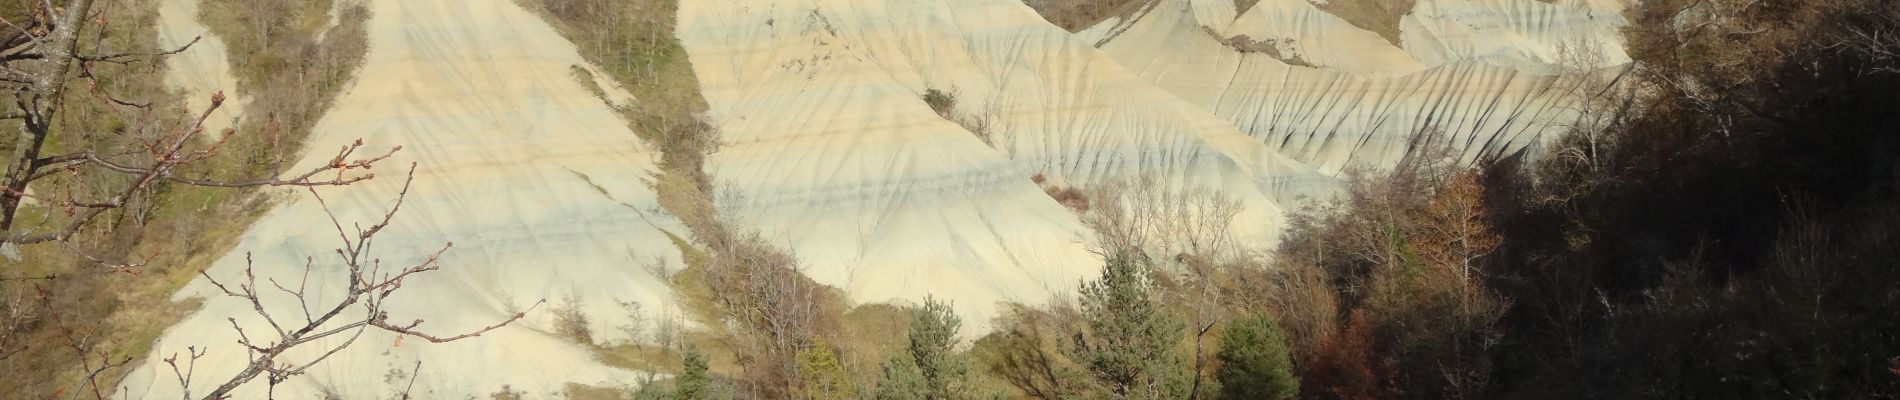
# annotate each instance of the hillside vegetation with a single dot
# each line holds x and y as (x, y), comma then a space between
(1076, 15)
(773, 332)
(76, 330)
(1720, 228)
(1720, 225)
(1378, 16)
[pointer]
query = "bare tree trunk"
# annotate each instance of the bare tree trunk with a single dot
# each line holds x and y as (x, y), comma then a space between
(1200, 361)
(39, 103)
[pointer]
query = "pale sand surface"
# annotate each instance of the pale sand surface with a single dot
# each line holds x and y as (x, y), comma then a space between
(1487, 84)
(832, 155)
(200, 70)
(535, 180)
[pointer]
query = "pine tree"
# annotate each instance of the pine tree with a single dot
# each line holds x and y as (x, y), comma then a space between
(901, 380)
(823, 377)
(694, 383)
(932, 368)
(1255, 363)
(1131, 345)
(933, 340)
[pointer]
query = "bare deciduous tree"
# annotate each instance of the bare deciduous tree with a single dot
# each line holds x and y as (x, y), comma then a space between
(61, 178)
(1153, 218)
(42, 60)
(362, 308)
(1186, 230)
(778, 312)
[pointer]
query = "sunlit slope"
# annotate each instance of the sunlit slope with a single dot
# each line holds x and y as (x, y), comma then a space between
(537, 183)
(1334, 96)
(201, 69)
(1523, 34)
(832, 153)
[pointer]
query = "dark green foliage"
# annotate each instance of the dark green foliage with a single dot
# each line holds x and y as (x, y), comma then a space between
(1727, 232)
(933, 340)
(1131, 345)
(941, 102)
(931, 368)
(694, 382)
(901, 380)
(1721, 246)
(1254, 361)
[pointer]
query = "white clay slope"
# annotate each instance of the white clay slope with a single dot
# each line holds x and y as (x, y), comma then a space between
(834, 155)
(1304, 32)
(536, 181)
(201, 70)
(1361, 102)
(1522, 34)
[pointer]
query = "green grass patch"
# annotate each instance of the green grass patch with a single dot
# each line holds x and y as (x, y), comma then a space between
(177, 230)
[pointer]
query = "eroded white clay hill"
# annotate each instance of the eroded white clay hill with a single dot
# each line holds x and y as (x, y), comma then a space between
(1483, 72)
(536, 182)
(832, 154)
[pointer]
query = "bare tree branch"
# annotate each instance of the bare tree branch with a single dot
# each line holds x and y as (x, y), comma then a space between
(163, 156)
(362, 307)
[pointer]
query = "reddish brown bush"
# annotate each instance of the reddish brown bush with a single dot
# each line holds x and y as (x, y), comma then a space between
(1343, 366)
(1072, 198)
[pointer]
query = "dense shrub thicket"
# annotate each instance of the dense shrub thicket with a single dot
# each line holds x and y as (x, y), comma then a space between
(1732, 237)
(1723, 227)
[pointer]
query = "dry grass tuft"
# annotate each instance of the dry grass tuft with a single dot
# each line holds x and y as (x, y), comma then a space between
(977, 123)
(1270, 47)
(1241, 6)
(633, 42)
(1074, 198)
(571, 323)
(1076, 15)
(1379, 16)
(576, 391)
